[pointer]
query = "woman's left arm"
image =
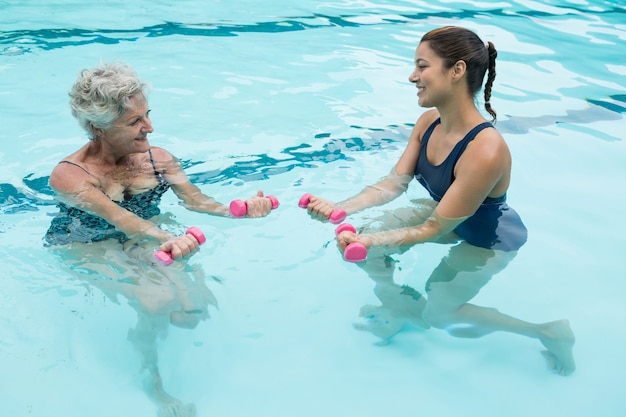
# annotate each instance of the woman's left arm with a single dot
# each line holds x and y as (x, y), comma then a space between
(483, 169)
(192, 198)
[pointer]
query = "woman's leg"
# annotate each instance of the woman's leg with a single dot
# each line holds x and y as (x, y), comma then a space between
(152, 291)
(459, 277)
(401, 306)
(144, 338)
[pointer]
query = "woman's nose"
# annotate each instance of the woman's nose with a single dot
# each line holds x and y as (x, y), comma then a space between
(147, 127)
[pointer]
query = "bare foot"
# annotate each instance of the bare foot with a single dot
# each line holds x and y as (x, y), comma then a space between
(167, 405)
(404, 302)
(175, 408)
(380, 322)
(559, 339)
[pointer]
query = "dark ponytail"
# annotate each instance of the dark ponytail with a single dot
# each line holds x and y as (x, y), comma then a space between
(491, 75)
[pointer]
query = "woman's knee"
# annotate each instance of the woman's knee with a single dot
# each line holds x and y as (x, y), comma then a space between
(438, 317)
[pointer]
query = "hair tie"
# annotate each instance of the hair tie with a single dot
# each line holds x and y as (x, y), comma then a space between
(487, 44)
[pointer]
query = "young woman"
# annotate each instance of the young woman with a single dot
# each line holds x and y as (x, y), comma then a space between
(465, 165)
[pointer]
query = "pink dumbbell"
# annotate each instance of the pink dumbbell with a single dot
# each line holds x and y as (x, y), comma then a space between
(239, 208)
(355, 251)
(336, 217)
(166, 259)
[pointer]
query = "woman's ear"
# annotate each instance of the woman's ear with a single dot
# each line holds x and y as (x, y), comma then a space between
(458, 69)
(96, 131)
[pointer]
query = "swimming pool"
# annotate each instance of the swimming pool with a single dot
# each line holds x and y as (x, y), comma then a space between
(296, 97)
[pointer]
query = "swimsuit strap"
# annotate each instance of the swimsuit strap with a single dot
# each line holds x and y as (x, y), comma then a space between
(429, 132)
(76, 165)
(156, 173)
(460, 147)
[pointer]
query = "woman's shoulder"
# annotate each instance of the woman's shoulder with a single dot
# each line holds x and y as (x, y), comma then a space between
(160, 154)
(68, 173)
(423, 123)
(489, 150)
(491, 138)
(163, 161)
(427, 118)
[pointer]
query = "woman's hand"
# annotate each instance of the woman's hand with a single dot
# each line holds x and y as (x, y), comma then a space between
(320, 209)
(259, 205)
(346, 237)
(180, 246)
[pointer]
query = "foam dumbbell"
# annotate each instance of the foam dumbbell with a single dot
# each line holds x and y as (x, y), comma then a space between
(336, 217)
(165, 258)
(239, 208)
(355, 251)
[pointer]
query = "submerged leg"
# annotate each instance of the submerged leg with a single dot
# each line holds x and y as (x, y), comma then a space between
(402, 306)
(459, 277)
(155, 294)
(144, 339)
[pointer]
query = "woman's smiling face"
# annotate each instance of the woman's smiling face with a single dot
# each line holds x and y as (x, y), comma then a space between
(430, 76)
(129, 133)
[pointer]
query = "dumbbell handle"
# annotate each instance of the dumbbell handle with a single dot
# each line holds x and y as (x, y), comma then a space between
(166, 259)
(336, 217)
(239, 208)
(355, 251)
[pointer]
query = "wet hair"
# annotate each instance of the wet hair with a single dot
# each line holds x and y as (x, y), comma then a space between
(453, 44)
(101, 95)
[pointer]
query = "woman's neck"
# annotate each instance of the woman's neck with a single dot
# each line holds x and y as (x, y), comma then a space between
(459, 116)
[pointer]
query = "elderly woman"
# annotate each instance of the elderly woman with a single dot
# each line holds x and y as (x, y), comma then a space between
(109, 192)
(111, 187)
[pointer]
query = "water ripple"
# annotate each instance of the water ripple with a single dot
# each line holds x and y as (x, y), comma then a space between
(48, 39)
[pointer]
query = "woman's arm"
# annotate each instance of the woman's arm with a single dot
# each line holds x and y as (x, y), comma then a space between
(388, 188)
(481, 169)
(193, 199)
(76, 188)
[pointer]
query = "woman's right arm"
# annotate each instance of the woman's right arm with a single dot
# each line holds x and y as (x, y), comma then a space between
(388, 188)
(77, 188)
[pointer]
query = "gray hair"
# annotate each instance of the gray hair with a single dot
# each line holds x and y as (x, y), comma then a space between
(101, 95)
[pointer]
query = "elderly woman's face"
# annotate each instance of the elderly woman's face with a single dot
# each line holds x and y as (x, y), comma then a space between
(129, 133)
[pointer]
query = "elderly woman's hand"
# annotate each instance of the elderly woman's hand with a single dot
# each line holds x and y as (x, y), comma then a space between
(180, 246)
(259, 205)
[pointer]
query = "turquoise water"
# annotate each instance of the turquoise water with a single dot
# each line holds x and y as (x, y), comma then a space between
(295, 97)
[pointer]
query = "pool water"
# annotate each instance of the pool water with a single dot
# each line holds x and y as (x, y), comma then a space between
(295, 97)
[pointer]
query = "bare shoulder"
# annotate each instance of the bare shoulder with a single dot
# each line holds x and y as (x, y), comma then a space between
(488, 150)
(425, 120)
(422, 123)
(408, 160)
(68, 177)
(160, 154)
(164, 161)
(491, 143)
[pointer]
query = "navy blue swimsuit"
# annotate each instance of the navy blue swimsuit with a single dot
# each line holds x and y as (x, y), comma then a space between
(72, 224)
(494, 225)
